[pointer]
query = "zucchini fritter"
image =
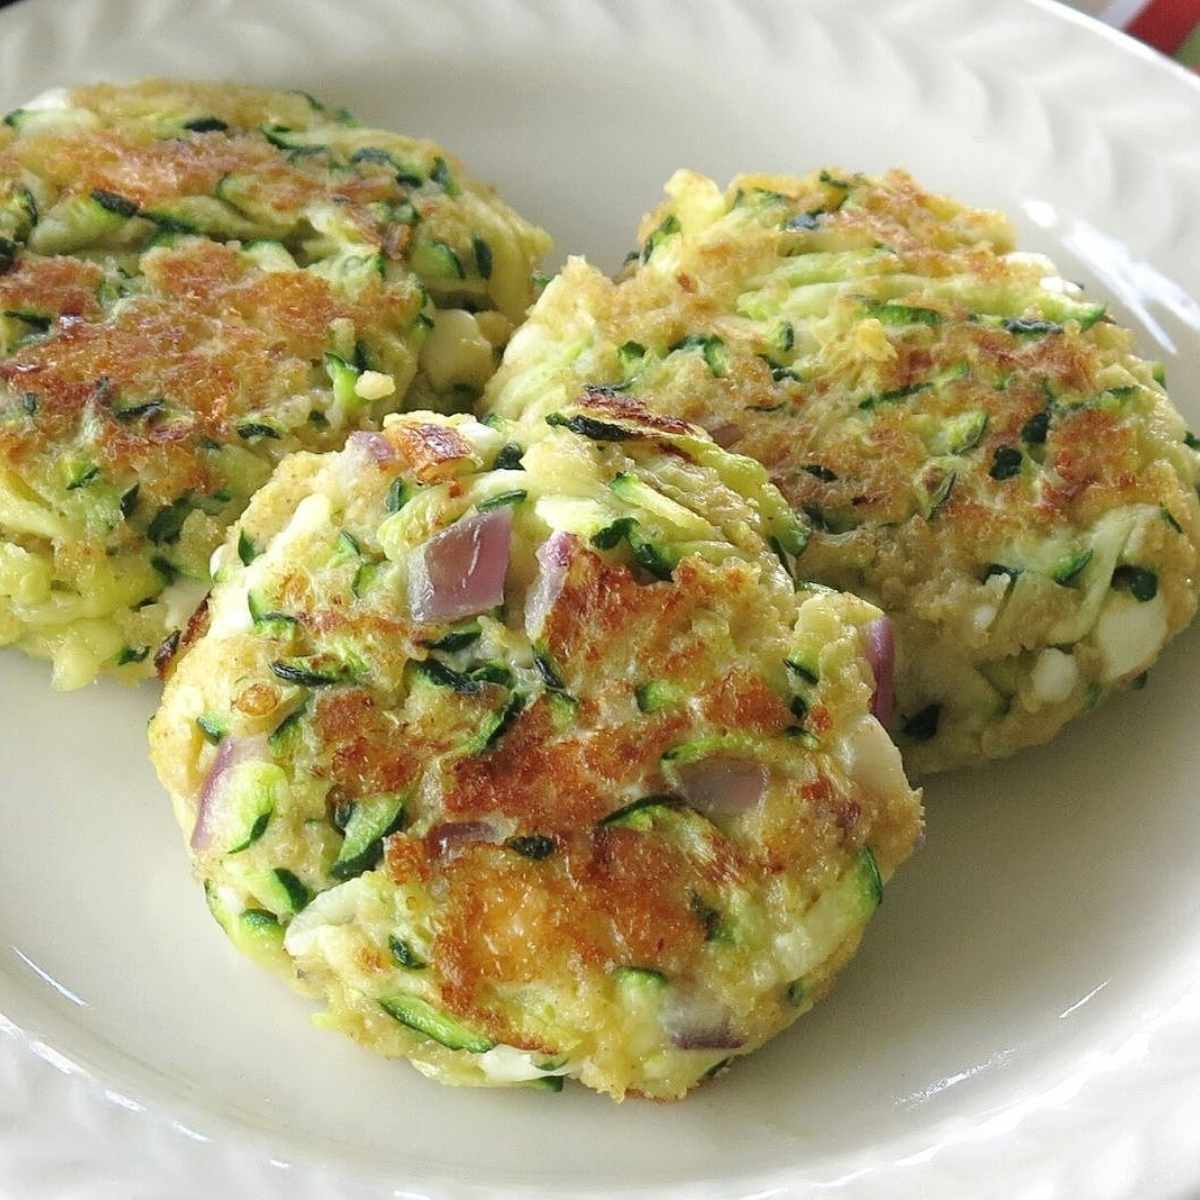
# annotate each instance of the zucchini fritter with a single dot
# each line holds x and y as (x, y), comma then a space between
(196, 280)
(970, 443)
(532, 762)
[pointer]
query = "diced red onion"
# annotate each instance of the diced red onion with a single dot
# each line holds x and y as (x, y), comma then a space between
(231, 752)
(460, 572)
(554, 562)
(373, 446)
(710, 1037)
(726, 434)
(723, 787)
(450, 838)
(881, 654)
(696, 1020)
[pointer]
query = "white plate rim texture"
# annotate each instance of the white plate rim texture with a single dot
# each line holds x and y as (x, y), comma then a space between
(1075, 97)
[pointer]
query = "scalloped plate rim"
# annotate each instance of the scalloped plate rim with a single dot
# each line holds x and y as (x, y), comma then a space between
(168, 1111)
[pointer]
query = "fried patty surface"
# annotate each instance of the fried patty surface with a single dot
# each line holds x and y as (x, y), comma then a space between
(969, 441)
(196, 280)
(620, 817)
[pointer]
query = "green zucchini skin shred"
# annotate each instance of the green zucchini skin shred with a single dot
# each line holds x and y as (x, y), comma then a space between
(1141, 582)
(246, 549)
(404, 955)
(268, 622)
(535, 846)
(213, 727)
(509, 457)
(483, 256)
(398, 495)
(497, 723)
(1069, 568)
(589, 427)
(424, 1019)
(643, 979)
(457, 639)
(711, 347)
(547, 1083)
(111, 202)
(206, 125)
(547, 670)
(636, 809)
(903, 314)
(317, 671)
(923, 725)
(502, 500)
(669, 226)
(437, 261)
(1006, 463)
(167, 523)
(437, 673)
(298, 894)
(288, 725)
(372, 819)
(658, 695)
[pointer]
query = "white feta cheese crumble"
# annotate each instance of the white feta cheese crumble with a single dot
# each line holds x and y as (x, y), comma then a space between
(182, 598)
(1129, 633)
(455, 351)
(332, 908)
(1055, 675)
(507, 1064)
(870, 757)
(374, 385)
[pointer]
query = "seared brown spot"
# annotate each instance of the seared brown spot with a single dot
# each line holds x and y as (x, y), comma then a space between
(396, 240)
(51, 287)
(847, 814)
(807, 835)
(818, 719)
(197, 625)
(608, 897)
(407, 859)
(743, 701)
(644, 884)
(631, 409)
(432, 452)
(215, 339)
(603, 605)
(149, 170)
(366, 749)
(164, 655)
(510, 919)
(372, 960)
(547, 785)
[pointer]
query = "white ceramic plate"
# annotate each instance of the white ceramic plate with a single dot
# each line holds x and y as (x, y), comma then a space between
(1024, 1019)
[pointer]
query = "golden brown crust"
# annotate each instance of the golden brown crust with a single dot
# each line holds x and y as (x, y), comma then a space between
(630, 408)
(940, 414)
(51, 287)
(365, 754)
(433, 452)
(212, 342)
(609, 897)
